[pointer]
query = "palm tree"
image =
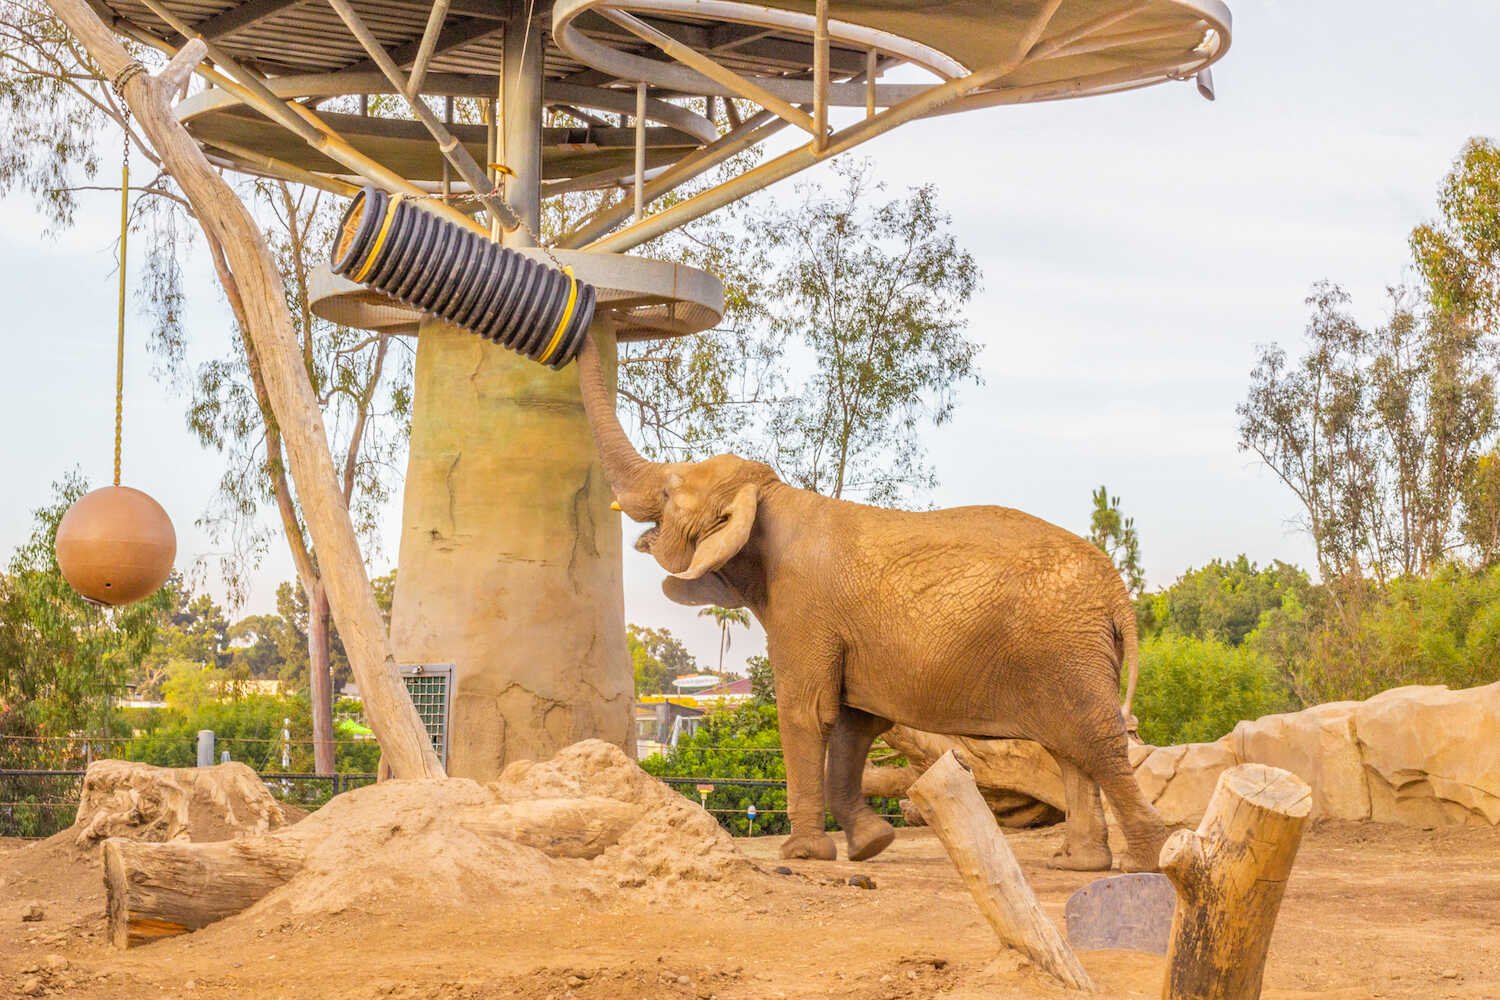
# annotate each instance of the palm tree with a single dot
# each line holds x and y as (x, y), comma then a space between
(725, 617)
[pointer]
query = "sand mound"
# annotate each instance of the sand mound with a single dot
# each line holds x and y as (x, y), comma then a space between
(588, 821)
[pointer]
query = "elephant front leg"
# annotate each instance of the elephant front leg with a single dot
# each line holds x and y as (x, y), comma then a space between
(867, 834)
(805, 729)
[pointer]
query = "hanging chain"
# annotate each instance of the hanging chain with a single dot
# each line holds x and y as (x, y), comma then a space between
(118, 84)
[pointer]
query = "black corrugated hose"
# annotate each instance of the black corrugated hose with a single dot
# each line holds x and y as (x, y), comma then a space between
(394, 247)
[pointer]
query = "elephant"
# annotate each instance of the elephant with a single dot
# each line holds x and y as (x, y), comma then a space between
(974, 621)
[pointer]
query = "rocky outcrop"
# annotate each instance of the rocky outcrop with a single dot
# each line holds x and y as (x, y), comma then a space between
(1417, 756)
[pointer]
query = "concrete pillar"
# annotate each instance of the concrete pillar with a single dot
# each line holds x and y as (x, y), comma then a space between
(510, 556)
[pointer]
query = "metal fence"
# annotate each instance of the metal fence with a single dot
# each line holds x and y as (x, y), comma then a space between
(38, 803)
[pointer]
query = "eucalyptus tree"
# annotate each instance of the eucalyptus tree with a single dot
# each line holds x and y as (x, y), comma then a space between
(867, 302)
(57, 113)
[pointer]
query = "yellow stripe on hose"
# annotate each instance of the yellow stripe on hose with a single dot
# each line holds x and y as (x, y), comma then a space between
(385, 228)
(567, 317)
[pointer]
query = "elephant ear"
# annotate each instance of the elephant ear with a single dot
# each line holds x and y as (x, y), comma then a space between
(711, 589)
(726, 539)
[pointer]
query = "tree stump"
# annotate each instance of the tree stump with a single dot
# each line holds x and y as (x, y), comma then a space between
(144, 802)
(160, 890)
(1230, 876)
(950, 802)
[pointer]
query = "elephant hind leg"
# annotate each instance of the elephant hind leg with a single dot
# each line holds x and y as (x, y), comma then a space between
(1085, 847)
(1145, 833)
(867, 834)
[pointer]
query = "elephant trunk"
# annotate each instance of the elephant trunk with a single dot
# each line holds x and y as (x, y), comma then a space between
(637, 483)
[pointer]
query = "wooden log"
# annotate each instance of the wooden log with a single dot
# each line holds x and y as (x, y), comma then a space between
(1019, 767)
(951, 804)
(1230, 875)
(258, 285)
(154, 891)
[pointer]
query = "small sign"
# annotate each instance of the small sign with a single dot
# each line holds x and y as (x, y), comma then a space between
(751, 812)
(703, 793)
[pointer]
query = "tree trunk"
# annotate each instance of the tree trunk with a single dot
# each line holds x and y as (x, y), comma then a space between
(259, 287)
(1230, 876)
(951, 804)
(154, 891)
(320, 679)
(1020, 767)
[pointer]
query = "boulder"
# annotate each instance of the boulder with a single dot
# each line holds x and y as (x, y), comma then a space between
(1431, 755)
(1320, 747)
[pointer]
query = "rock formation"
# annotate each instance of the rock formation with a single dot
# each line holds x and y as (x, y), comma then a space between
(1416, 756)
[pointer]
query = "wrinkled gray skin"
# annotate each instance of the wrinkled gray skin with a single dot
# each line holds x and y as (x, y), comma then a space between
(976, 621)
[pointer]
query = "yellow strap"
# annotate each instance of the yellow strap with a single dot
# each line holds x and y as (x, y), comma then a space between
(385, 227)
(567, 317)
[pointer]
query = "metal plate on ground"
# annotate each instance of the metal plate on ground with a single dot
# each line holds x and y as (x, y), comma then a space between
(1131, 912)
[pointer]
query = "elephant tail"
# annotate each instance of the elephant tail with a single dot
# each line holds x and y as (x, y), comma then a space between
(1128, 651)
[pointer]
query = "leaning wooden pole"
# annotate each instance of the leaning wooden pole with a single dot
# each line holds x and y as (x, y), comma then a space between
(1230, 875)
(403, 739)
(950, 802)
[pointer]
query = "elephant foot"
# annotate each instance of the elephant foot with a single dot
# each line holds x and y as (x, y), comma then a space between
(1147, 858)
(1082, 858)
(867, 836)
(814, 847)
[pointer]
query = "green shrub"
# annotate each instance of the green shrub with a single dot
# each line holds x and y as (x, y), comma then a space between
(1195, 690)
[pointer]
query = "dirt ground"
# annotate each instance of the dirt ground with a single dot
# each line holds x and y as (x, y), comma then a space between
(1372, 911)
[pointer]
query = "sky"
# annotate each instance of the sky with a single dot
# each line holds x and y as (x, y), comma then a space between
(1136, 249)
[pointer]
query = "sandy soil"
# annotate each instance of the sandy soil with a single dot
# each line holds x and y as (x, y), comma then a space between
(1372, 911)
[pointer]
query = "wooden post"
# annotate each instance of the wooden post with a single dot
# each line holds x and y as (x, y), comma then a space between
(950, 802)
(1230, 875)
(160, 890)
(403, 739)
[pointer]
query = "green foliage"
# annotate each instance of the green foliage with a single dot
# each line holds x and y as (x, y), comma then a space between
(1114, 534)
(62, 661)
(762, 680)
(658, 658)
(739, 743)
(1459, 253)
(1195, 690)
(1380, 431)
(873, 293)
(1223, 600)
(1444, 629)
(247, 726)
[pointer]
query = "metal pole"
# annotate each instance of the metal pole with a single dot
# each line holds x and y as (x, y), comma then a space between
(640, 151)
(205, 748)
(520, 124)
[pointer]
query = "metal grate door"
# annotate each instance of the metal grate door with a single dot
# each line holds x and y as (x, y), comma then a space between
(431, 688)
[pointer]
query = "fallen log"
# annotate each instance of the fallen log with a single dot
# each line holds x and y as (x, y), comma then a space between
(156, 890)
(950, 802)
(1230, 875)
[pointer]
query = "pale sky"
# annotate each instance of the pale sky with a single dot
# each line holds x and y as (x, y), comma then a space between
(1135, 249)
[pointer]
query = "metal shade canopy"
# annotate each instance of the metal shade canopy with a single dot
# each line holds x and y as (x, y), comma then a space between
(642, 96)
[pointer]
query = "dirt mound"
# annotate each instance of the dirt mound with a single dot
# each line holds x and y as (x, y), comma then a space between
(587, 822)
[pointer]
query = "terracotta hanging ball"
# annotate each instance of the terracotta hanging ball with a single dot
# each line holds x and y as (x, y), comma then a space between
(116, 545)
